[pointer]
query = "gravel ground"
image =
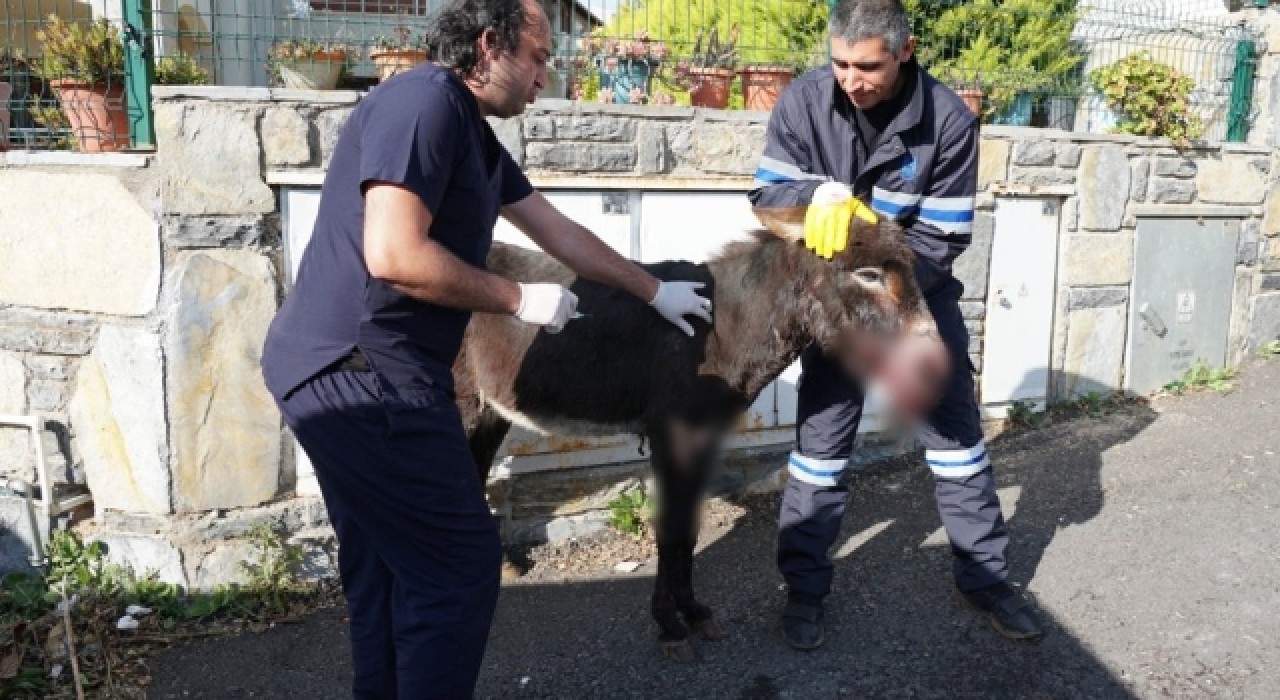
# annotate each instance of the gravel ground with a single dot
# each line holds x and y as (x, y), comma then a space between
(1148, 536)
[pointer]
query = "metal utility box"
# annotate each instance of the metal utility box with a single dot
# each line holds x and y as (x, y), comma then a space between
(1019, 321)
(1180, 310)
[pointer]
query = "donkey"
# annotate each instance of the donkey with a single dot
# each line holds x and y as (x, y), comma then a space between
(623, 369)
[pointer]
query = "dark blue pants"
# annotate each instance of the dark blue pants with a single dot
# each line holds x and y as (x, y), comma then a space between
(829, 410)
(419, 553)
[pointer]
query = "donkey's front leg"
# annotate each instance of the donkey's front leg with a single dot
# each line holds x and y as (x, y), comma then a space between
(673, 637)
(686, 517)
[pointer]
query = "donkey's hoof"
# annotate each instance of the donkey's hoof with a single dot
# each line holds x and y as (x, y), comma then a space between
(678, 650)
(707, 629)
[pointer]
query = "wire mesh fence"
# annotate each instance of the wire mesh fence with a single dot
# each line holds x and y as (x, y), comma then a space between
(1173, 68)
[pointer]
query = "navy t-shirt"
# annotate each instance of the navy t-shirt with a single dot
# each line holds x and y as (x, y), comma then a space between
(421, 129)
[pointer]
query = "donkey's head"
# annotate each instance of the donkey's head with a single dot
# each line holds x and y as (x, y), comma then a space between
(879, 325)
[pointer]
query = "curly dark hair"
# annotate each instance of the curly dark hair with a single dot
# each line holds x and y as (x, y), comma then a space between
(452, 35)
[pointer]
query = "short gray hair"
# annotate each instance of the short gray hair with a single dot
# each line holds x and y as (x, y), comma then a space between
(858, 20)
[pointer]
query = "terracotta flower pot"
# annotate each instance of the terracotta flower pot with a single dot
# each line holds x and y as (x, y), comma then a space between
(972, 99)
(393, 61)
(709, 87)
(96, 113)
(761, 85)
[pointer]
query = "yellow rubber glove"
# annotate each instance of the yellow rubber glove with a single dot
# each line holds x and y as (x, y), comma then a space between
(826, 223)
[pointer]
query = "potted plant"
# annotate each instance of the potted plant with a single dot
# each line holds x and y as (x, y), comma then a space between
(1150, 98)
(624, 68)
(762, 83)
(399, 52)
(180, 69)
(306, 64)
(84, 64)
(709, 74)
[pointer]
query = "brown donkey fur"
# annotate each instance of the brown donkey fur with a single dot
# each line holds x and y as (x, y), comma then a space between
(624, 369)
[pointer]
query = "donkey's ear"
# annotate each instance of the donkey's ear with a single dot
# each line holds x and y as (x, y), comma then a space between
(786, 223)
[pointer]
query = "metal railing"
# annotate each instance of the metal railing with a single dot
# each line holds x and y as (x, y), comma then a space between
(1039, 63)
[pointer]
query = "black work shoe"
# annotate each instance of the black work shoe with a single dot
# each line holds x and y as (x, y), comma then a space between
(802, 625)
(1010, 612)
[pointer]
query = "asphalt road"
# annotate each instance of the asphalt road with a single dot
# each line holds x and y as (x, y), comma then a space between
(1149, 538)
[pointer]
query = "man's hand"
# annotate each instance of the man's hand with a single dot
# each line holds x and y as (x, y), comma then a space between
(675, 300)
(547, 305)
(826, 223)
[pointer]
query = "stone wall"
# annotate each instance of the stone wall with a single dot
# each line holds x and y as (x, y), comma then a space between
(141, 288)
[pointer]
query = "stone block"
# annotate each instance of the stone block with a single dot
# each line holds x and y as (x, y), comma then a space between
(1095, 350)
(329, 125)
(539, 127)
(117, 412)
(224, 565)
(1173, 191)
(318, 561)
(218, 232)
(511, 135)
(48, 367)
(973, 267)
(973, 310)
(571, 492)
(1096, 298)
(76, 241)
(226, 436)
(1140, 171)
(718, 148)
(582, 157)
(1104, 191)
(286, 137)
(145, 555)
(1176, 167)
(1264, 326)
(993, 162)
(23, 330)
(1232, 179)
(1271, 218)
(593, 127)
(47, 395)
(212, 161)
(1068, 156)
(1034, 153)
(1071, 213)
(652, 153)
(13, 383)
(1041, 177)
(1247, 247)
(15, 444)
(1099, 260)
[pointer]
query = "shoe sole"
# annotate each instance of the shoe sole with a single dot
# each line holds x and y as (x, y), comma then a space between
(822, 637)
(995, 624)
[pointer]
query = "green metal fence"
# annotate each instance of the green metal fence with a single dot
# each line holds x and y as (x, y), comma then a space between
(1165, 68)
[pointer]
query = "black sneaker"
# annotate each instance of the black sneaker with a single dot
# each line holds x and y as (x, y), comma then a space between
(802, 624)
(1010, 612)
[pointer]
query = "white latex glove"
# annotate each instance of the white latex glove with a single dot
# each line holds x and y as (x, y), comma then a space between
(547, 305)
(674, 300)
(832, 192)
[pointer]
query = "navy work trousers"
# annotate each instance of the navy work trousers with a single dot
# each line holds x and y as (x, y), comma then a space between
(419, 553)
(829, 410)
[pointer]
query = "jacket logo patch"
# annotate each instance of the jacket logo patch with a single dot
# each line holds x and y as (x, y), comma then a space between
(909, 170)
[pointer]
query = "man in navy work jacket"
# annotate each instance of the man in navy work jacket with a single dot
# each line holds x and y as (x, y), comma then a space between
(359, 357)
(874, 124)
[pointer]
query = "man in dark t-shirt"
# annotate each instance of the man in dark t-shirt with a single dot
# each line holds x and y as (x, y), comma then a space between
(359, 356)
